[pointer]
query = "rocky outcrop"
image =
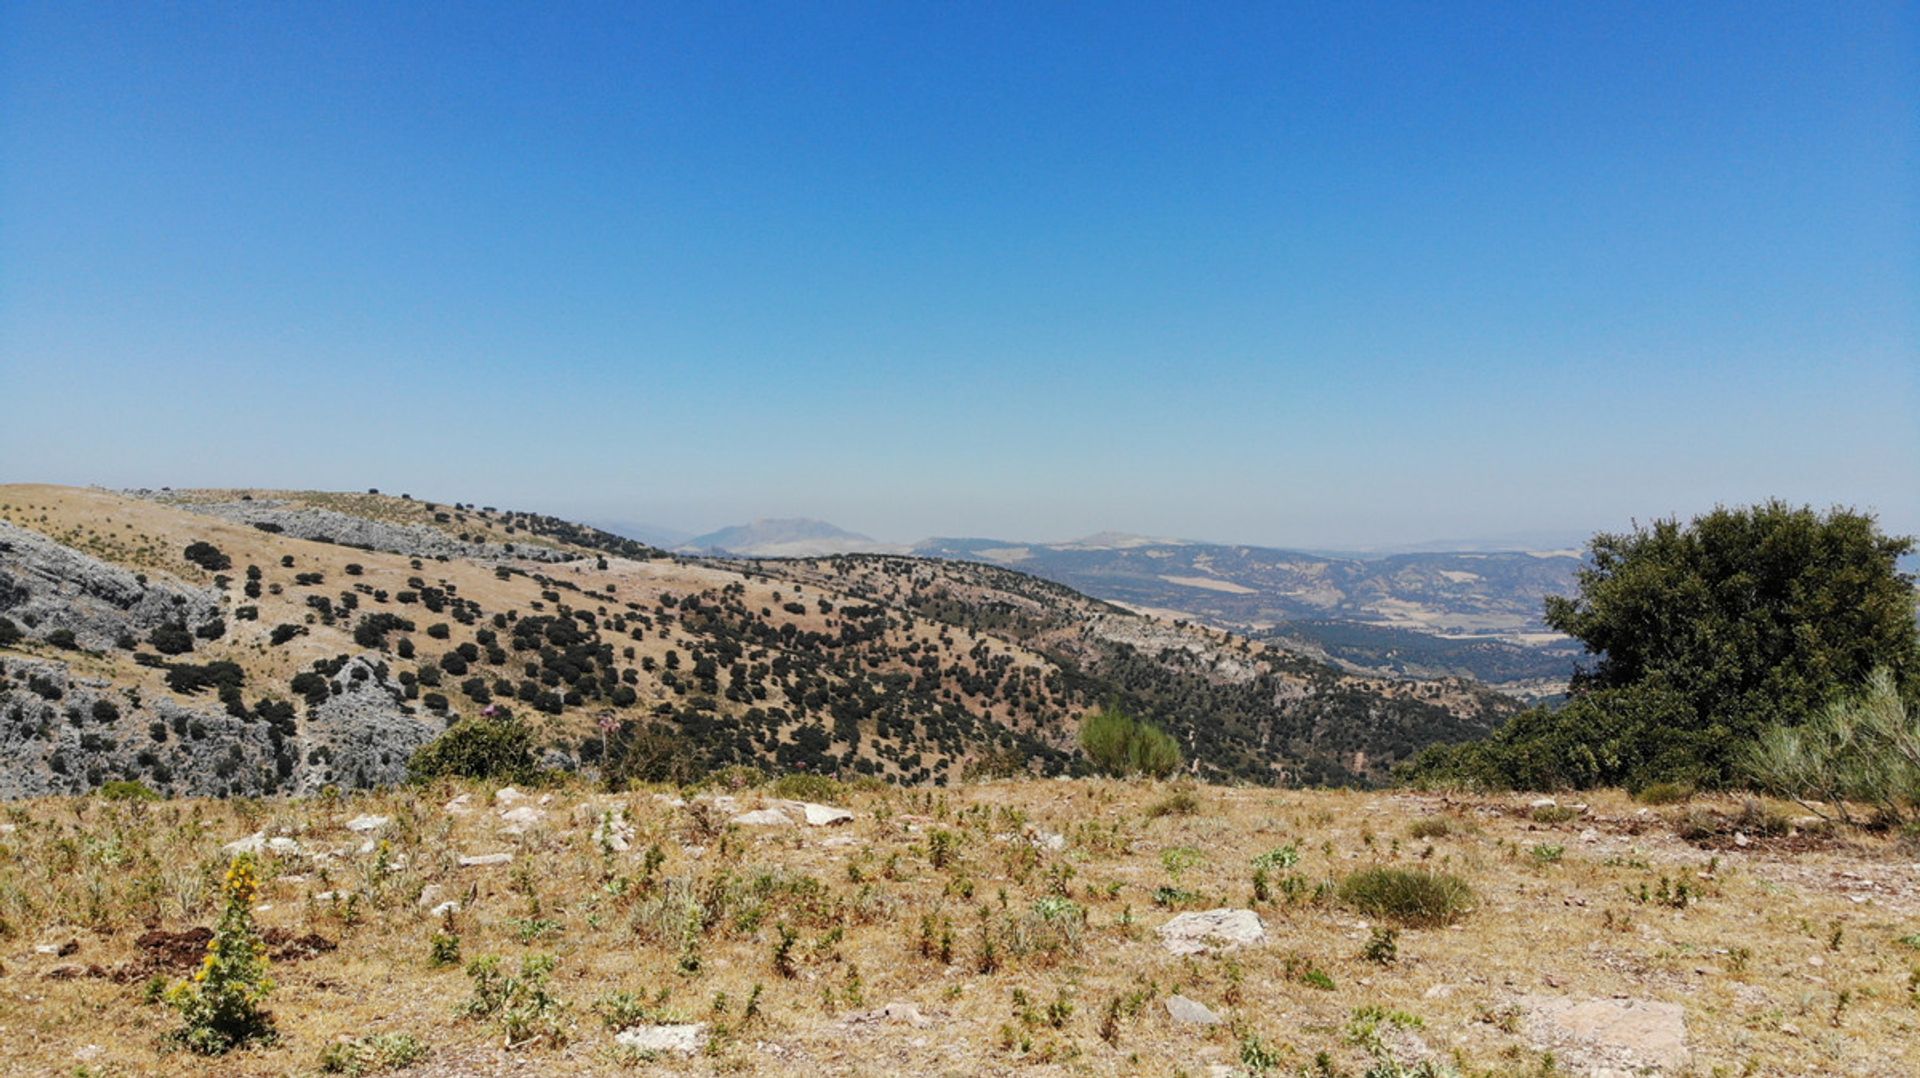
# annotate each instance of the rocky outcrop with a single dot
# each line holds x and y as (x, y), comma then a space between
(65, 735)
(45, 586)
(361, 736)
(62, 735)
(326, 525)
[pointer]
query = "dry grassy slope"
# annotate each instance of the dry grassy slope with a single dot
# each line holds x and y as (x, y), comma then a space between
(1786, 960)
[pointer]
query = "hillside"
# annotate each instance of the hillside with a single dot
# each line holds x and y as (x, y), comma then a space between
(999, 928)
(245, 642)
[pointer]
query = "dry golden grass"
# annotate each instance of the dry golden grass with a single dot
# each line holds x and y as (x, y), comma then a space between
(1786, 956)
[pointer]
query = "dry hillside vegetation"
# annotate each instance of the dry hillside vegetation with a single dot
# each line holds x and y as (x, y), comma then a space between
(358, 619)
(988, 928)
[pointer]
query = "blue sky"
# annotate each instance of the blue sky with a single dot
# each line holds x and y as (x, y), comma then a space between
(1338, 274)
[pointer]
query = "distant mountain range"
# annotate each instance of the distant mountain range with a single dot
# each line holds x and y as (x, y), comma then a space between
(794, 537)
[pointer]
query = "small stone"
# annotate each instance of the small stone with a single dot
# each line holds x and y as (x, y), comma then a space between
(685, 1039)
(1048, 840)
(1440, 991)
(1816, 961)
(895, 1013)
(444, 908)
(1543, 803)
(507, 795)
(369, 822)
(283, 847)
(483, 860)
(763, 818)
(1191, 1012)
(430, 895)
(461, 805)
(1740, 839)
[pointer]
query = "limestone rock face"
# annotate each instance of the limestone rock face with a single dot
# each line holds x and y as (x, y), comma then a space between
(46, 586)
(361, 736)
(61, 734)
(1207, 931)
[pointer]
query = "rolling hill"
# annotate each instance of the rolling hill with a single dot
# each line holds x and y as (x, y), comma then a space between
(241, 642)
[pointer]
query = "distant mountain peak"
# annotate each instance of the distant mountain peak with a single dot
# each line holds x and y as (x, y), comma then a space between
(785, 537)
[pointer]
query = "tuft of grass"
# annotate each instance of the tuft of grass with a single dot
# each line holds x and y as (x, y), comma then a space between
(1431, 827)
(1413, 897)
(1177, 803)
(371, 1054)
(1664, 793)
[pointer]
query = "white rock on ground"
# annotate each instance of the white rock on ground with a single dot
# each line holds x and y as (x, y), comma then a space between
(254, 843)
(461, 805)
(895, 1013)
(764, 818)
(685, 1039)
(1627, 1034)
(824, 815)
(368, 822)
(430, 895)
(507, 795)
(482, 860)
(1191, 1011)
(520, 820)
(1207, 931)
(284, 847)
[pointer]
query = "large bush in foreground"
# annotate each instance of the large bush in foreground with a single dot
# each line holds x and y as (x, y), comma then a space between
(1704, 635)
(1119, 744)
(493, 745)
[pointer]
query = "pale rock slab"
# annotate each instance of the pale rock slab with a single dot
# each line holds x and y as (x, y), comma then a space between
(1207, 931)
(1191, 1012)
(686, 1039)
(1622, 1034)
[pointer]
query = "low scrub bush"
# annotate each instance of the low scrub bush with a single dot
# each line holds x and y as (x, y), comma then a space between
(1412, 897)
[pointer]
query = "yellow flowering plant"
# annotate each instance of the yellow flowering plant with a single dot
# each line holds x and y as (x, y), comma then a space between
(221, 1003)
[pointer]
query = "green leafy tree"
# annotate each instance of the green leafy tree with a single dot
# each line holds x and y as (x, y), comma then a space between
(1705, 635)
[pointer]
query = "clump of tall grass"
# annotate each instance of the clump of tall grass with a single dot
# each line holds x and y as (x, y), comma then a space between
(1862, 750)
(1413, 897)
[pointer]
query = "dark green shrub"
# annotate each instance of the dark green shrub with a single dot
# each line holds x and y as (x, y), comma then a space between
(495, 747)
(208, 557)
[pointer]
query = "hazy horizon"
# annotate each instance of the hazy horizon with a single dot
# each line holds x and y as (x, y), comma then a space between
(1325, 278)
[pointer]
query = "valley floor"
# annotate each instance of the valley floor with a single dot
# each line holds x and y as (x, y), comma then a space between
(995, 928)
